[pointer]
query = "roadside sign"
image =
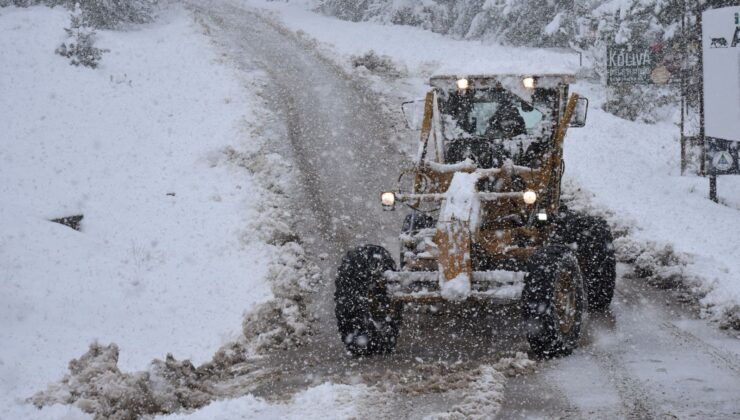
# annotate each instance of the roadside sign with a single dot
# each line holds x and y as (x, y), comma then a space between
(721, 63)
(722, 157)
(628, 64)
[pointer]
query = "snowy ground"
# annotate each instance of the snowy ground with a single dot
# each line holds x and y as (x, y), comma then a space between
(335, 401)
(629, 171)
(166, 260)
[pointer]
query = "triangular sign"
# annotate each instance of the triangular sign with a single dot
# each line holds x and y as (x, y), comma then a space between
(722, 160)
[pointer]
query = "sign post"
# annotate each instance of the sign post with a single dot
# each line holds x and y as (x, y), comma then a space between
(721, 92)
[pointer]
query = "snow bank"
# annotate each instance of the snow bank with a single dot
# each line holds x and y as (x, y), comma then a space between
(166, 259)
(450, 390)
(630, 172)
(97, 386)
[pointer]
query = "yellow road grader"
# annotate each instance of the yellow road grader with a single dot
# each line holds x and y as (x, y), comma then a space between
(486, 221)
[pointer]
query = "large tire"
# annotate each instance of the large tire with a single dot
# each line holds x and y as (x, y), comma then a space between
(598, 263)
(595, 252)
(553, 301)
(368, 320)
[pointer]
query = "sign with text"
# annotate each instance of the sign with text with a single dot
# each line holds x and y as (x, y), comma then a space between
(628, 65)
(721, 58)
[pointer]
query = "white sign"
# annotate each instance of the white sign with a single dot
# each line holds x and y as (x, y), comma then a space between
(721, 53)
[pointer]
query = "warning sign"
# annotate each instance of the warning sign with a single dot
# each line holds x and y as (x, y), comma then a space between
(723, 160)
(722, 156)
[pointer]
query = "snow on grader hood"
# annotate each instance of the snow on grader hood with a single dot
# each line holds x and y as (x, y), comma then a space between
(486, 221)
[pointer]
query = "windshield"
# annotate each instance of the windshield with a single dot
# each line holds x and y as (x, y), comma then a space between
(491, 125)
(487, 112)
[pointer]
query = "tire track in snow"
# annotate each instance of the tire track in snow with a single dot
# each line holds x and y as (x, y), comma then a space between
(634, 395)
(721, 358)
(630, 291)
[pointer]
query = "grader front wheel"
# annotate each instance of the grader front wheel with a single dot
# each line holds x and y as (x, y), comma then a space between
(367, 319)
(553, 302)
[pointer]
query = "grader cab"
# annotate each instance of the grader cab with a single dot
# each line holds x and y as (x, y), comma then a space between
(486, 221)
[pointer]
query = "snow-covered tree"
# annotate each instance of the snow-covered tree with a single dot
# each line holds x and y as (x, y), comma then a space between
(111, 14)
(80, 49)
(102, 14)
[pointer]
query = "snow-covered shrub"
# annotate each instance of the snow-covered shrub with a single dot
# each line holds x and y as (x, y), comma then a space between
(80, 49)
(641, 103)
(375, 63)
(283, 322)
(102, 14)
(112, 14)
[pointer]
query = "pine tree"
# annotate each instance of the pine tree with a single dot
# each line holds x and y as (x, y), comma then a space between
(81, 49)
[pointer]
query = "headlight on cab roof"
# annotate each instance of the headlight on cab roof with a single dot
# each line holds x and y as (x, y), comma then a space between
(529, 82)
(462, 84)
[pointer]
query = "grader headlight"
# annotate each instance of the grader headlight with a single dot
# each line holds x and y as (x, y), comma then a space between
(529, 197)
(388, 200)
(462, 84)
(529, 82)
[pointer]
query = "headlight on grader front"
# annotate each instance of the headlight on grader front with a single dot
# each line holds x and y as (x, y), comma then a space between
(388, 199)
(529, 82)
(529, 197)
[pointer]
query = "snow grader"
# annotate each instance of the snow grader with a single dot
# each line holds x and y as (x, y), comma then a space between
(486, 221)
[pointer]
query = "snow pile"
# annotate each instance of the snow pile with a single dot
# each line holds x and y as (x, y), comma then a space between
(481, 401)
(374, 63)
(662, 265)
(282, 322)
(341, 401)
(484, 395)
(95, 385)
(519, 364)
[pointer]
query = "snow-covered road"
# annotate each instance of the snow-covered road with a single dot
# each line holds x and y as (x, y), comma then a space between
(336, 137)
(651, 358)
